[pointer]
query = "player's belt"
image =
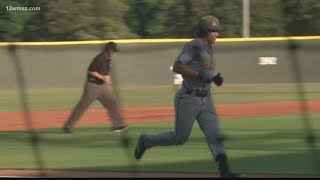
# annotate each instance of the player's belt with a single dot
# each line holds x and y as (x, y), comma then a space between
(94, 80)
(197, 93)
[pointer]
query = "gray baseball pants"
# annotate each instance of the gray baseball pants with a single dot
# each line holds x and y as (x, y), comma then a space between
(92, 92)
(189, 108)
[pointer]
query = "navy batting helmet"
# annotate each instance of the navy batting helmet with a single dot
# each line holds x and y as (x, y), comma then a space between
(208, 24)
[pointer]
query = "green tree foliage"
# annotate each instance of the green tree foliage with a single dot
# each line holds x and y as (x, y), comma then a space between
(146, 18)
(182, 17)
(266, 18)
(178, 19)
(230, 15)
(60, 20)
(301, 17)
(36, 27)
(79, 20)
(12, 21)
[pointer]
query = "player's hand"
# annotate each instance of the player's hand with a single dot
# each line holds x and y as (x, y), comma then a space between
(217, 79)
(205, 76)
(107, 79)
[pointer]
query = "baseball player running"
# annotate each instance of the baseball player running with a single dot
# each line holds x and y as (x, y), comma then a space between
(196, 63)
(96, 87)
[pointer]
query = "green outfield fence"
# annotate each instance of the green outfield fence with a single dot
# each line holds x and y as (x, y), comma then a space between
(147, 62)
(50, 76)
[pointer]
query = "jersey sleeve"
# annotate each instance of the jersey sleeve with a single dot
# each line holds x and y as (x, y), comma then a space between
(186, 54)
(94, 66)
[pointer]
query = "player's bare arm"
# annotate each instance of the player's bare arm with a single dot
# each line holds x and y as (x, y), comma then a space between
(107, 79)
(185, 70)
(97, 75)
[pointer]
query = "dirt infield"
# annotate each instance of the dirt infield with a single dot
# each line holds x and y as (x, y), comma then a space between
(54, 119)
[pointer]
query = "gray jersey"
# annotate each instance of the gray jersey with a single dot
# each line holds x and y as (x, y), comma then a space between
(198, 56)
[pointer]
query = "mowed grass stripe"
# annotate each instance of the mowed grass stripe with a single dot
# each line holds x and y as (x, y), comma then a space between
(57, 99)
(255, 145)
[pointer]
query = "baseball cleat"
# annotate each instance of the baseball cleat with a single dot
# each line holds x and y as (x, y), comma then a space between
(120, 129)
(140, 148)
(224, 168)
(66, 130)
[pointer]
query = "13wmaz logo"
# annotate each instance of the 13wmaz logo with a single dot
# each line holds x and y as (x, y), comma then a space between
(268, 60)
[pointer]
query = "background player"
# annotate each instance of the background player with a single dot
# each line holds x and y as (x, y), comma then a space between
(177, 80)
(96, 87)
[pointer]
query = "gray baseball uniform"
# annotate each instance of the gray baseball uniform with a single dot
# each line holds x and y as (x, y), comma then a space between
(193, 101)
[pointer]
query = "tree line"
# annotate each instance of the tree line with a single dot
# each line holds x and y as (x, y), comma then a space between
(62, 20)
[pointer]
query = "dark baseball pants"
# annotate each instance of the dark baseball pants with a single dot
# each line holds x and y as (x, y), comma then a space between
(98, 92)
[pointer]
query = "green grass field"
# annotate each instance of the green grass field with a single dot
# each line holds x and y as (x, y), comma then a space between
(255, 145)
(53, 99)
(273, 144)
